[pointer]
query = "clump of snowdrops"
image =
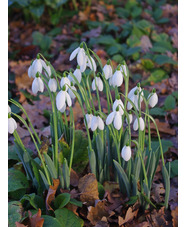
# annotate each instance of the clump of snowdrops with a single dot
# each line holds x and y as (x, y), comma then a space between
(113, 154)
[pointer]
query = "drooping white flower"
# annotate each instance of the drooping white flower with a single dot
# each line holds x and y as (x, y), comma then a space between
(116, 117)
(52, 84)
(130, 118)
(47, 68)
(134, 95)
(107, 71)
(141, 125)
(62, 98)
(77, 74)
(70, 91)
(12, 125)
(65, 81)
(91, 63)
(37, 85)
(153, 99)
(37, 66)
(89, 117)
(97, 81)
(81, 56)
(62, 110)
(96, 122)
(126, 153)
(117, 78)
(118, 103)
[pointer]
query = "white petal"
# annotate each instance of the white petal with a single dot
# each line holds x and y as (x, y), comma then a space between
(111, 81)
(110, 118)
(77, 74)
(60, 100)
(30, 71)
(142, 124)
(153, 99)
(69, 101)
(130, 119)
(100, 123)
(37, 67)
(99, 83)
(12, 125)
(62, 110)
(107, 69)
(126, 153)
(138, 105)
(129, 105)
(71, 93)
(135, 125)
(91, 63)
(117, 78)
(52, 83)
(131, 92)
(65, 81)
(41, 84)
(35, 85)
(124, 69)
(93, 85)
(119, 103)
(94, 123)
(83, 67)
(117, 121)
(9, 109)
(48, 69)
(81, 57)
(74, 53)
(89, 119)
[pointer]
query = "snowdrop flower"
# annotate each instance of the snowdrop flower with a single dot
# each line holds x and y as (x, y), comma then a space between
(12, 125)
(153, 98)
(47, 69)
(107, 70)
(70, 91)
(37, 85)
(116, 117)
(52, 84)
(37, 67)
(88, 117)
(65, 81)
(130, 118)
(117, 78)
(96, 122)
(62, 98)
(97, 81)
(77, 74)
(126, 153)
(133, 95)
(141, 125)
(91, 64)
(81, 56)
(118, 103)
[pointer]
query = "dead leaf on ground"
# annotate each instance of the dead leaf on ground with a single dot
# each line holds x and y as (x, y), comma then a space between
(88, 187)
(36, 220)
(19, 67)
(163, 127)
(23, 81)
(174, 214)
(157, 218)
(74, 178)
(20, 225)
(51, 193)
(158, 192)
(129, 216)
(96, 213)
(145, 43)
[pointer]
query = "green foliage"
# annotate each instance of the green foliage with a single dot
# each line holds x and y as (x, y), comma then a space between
(14, 212)
(68, 218)
(61, 200)
(173, 168)
(50, 221)
(32, 200)
(43, 41)
(170, 103)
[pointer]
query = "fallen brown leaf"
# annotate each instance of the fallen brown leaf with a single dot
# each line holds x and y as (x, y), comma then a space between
(157, 192)
(130, 215)
(145, 43)
(20, 225)
(51, 193)
(96, 213)
(88, 187)
(36, 220)
(163, 127)
(174, 214)
(74, 178)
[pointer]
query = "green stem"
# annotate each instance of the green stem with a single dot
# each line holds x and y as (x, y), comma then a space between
(73, 139)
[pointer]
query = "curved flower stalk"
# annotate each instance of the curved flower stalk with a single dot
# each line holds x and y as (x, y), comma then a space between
(97, 81)
(134, 95)
(140, 125)
(37, 85)
(107, 70)
(62, 99)
(52, 84)
(96, 122)
(126, 153)
(116, 118)
(12, 125)
(152, 98)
